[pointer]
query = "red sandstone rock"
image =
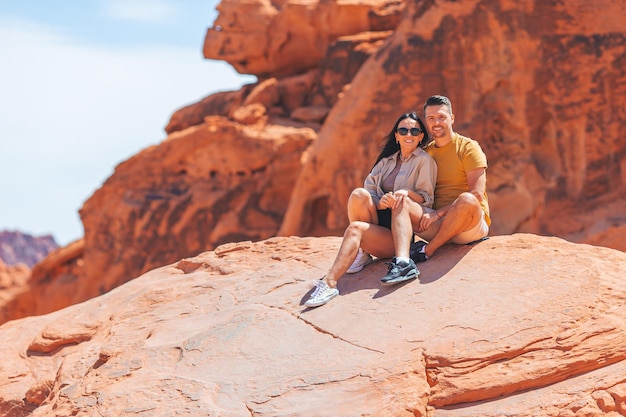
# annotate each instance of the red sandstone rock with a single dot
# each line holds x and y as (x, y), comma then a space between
(206, 185)
(539, 85)
(219, 104)
(535, 325)
(51, 285)
(13, 281)
(214, 180)
(287, 38)
(533, 82)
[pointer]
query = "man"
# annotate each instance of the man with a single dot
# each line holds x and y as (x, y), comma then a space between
(460, 213)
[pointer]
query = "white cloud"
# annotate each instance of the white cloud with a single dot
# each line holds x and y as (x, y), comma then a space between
(70, 111)
(153, 11)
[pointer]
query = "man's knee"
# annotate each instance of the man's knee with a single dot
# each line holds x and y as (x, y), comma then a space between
(467, 202)
(466, 208)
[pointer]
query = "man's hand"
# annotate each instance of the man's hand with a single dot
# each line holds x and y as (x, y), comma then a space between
(427, 219)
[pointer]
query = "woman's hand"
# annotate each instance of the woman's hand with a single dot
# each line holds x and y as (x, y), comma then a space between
(398, 196)
(387, 201)
(391, 200)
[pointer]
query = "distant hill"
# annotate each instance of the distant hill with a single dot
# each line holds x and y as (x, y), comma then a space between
(17, 247)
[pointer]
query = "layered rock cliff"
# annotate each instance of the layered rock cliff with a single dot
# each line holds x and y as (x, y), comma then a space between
(539, 84)
(521, 325)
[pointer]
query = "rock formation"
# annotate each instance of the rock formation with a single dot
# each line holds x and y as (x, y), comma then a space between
(517, 325)
(17, 247)
(13, 281)
(290, 37)
(539, 84)
(536, 83)
(51, 285)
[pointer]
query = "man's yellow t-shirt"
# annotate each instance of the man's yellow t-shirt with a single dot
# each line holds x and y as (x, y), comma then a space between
(460, 155)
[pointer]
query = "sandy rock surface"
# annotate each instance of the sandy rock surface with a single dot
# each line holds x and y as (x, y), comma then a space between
(536, 326)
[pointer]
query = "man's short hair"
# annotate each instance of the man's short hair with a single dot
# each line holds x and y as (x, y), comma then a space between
(438, 101)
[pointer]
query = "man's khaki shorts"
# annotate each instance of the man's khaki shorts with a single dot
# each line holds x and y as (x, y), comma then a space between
(477, 232)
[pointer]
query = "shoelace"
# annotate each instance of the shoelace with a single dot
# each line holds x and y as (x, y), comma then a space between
(319, 288)
(391, 265)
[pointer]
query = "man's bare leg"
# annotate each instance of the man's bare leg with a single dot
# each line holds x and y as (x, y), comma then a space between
(463, 215)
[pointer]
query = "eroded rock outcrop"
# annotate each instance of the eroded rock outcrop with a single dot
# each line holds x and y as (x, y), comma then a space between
(542, 98)
(13, 281)
(51, 284)
(209, 184)
(225, 173)
(517, 325)
(278, 39)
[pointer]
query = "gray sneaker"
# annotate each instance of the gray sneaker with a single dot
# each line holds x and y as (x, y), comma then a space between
(322, 294)
(416, 251)
(400, 272)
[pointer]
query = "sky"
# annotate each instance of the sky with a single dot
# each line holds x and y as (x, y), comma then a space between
(84, 85)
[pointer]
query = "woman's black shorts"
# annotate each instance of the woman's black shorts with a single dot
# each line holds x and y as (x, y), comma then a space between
(384, 218)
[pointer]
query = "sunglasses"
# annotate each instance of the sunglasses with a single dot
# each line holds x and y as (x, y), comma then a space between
(414, 131)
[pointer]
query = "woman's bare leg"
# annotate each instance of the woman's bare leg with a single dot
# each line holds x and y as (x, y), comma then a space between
(403, 220)
(361, 207)
(374, 239)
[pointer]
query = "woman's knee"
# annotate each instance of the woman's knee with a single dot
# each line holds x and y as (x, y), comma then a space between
(360, 197)
(408, 207)
(355, 228)
(360, 194)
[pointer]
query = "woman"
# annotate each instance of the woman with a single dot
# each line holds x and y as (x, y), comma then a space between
(402, 168)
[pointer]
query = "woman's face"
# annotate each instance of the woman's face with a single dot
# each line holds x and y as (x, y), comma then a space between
(409, 135)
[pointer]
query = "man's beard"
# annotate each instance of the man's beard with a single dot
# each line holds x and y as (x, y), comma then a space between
(439, 134)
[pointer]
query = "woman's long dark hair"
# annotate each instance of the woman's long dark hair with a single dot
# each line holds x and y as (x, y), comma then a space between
(389, 144)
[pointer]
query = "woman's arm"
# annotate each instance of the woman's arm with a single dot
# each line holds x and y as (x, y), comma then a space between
(373, 183)
(425, 181)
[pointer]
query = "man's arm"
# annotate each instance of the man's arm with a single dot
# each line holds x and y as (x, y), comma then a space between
(477, 182)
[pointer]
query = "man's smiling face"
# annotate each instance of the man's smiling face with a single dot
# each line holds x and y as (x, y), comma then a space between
(439, 121)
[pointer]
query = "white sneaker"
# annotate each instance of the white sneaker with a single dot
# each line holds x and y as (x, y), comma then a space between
(362, 259)
(322, 294)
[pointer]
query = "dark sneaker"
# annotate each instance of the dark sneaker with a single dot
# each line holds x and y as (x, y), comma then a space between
(415, 251)
(400, 272)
